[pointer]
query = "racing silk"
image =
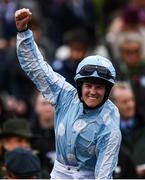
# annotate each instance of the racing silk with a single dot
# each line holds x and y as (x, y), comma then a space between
(87, 139)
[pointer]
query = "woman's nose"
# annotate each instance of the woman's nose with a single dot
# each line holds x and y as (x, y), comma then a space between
(93, 90)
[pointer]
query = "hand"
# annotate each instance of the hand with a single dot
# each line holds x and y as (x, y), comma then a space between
(140, 170)
(22, 18)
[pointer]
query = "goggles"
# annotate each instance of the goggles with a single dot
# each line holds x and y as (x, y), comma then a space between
(101, 71)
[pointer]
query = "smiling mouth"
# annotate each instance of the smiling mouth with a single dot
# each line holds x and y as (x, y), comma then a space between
(93, 98)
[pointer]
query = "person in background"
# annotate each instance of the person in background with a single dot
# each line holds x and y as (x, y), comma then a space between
(15, 132)
(42, 128)
(125, 168)
(86, 122)
(62, 16)
(132, 127)
(131, 66)
(21, 163)
(77, 45)
(129, 21)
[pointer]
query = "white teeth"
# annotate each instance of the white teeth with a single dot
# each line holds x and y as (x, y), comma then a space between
(92, 98)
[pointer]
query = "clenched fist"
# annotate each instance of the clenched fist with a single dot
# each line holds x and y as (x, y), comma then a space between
(22, 18)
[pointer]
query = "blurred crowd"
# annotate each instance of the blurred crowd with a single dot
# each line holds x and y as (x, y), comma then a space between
(66, 31)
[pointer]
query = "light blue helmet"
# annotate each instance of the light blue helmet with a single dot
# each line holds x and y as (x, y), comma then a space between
(96, 61)
(98, 69)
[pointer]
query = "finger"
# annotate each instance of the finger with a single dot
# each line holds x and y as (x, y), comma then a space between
(22, 13)
(27, 11)
(22, 16)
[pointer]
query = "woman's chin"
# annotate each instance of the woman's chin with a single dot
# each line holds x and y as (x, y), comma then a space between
(92, 105)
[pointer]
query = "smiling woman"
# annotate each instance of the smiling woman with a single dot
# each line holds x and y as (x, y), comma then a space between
(99, 71)
(92, 93)
(86, 122)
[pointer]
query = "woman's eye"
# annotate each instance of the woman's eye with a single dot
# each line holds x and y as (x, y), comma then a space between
(88, 85)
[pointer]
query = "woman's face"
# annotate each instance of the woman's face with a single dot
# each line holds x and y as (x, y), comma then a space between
(92, 93)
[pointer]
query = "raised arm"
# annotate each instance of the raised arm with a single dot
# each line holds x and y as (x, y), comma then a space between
(52, 85)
